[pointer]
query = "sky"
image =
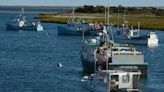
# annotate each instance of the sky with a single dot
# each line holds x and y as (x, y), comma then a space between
(83, 2)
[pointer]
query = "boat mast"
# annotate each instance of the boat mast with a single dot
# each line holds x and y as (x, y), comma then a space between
(22, 11)
(138, 24)
(105, 16)
(138, 28)
(106, 34)
(125, 22)
(22, 17)
(73, 13)
(83, 36)
(108, 82)
(95, 62)
(72, 17)
(118, 18)
(108, 13)
(124, 16)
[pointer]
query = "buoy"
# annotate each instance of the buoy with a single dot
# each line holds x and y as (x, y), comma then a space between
(59, 65)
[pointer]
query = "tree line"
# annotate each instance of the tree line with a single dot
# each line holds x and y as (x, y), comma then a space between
(120, 9)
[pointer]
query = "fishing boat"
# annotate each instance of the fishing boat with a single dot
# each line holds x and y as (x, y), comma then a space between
(106, 54)
(22, 24)
(129, 34)
(112, 81)
(77, 27)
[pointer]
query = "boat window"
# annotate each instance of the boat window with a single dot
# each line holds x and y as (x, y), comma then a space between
(135, 33)
(114, 77)
(115, 49)
(125, 78)
(91, 78)
(101, 79)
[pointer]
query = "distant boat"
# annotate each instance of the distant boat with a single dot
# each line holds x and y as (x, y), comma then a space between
(75, 27)
(130, 35)
(112, 81)
(21, 24)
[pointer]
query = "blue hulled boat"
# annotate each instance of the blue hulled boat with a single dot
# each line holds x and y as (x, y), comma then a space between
(21, 24)
(78, 28)
(130, 35)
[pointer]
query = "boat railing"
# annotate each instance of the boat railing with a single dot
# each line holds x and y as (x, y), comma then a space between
(126, 53)
(134, 90)
(127, 49)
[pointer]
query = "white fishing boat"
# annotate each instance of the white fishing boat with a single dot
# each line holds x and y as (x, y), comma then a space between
(112, 81)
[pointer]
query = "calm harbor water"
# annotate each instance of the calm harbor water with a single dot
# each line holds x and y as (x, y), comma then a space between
(28, 61)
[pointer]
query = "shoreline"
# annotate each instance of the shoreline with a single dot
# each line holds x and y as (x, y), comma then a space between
(146, 22)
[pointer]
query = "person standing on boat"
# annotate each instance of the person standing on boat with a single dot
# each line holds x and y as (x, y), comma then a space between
(102, 56)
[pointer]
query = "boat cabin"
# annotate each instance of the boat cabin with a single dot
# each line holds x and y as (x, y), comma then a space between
(118, 79)
(153, 40)
(113, 81)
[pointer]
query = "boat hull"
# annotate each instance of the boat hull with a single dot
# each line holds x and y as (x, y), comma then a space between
(121, 38)
(62, 30)
(88, 67)
(16, 28)
(87, 83)
(131, 41)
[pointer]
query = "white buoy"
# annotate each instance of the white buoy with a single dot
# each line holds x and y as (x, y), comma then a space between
(59, 65)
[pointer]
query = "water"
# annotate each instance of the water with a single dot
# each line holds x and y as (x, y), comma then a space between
(28, 61)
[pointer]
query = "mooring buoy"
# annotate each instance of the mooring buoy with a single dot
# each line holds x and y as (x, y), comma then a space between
(59, 65)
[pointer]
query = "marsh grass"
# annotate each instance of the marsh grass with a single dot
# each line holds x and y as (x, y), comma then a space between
(146, 21)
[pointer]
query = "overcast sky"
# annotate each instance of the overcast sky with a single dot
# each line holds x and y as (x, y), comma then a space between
(83, 2)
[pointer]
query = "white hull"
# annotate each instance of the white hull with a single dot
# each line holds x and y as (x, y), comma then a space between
(153, 40)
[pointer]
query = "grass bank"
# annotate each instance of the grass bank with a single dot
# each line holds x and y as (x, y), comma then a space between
(146, 21)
